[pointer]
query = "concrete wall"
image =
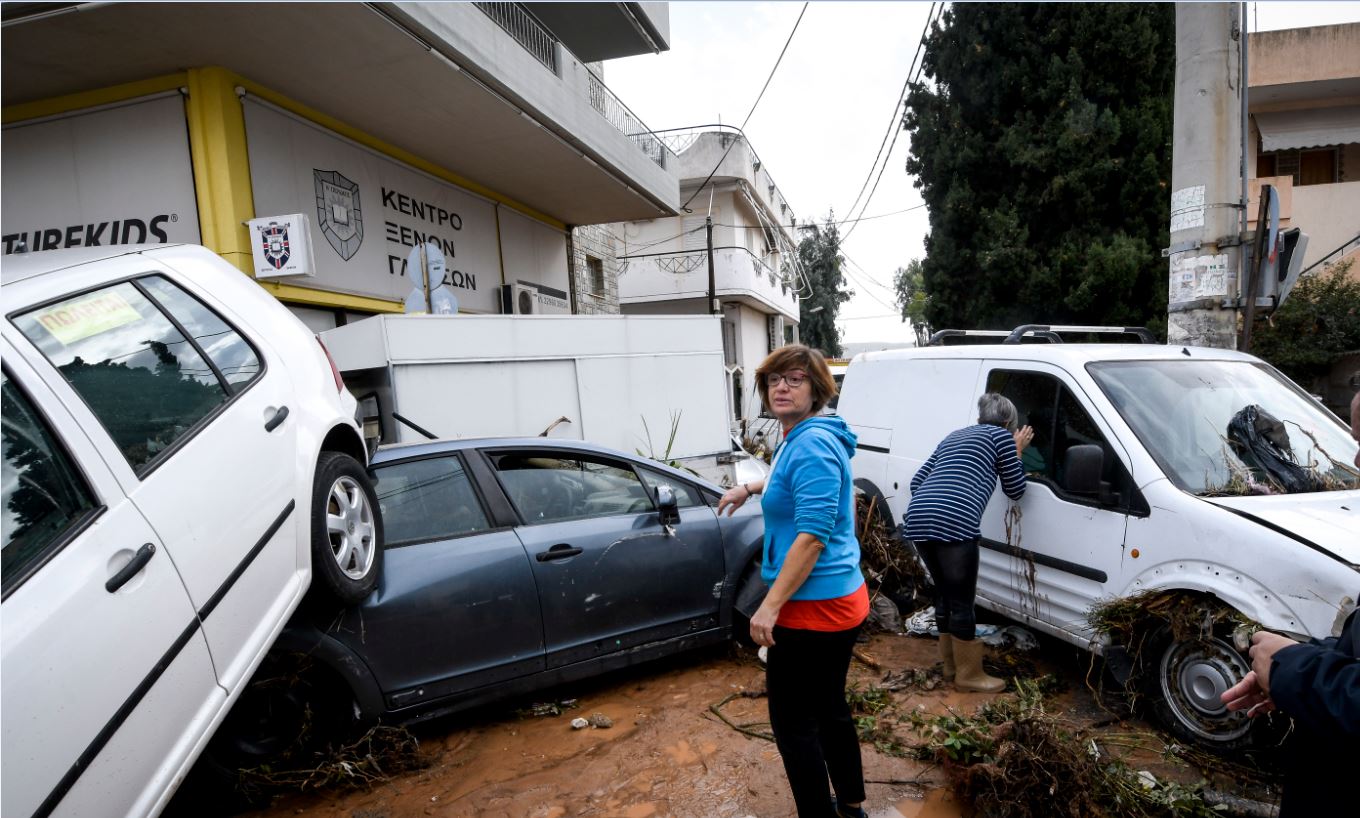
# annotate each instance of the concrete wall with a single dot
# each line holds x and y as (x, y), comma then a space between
(1329, 214)
(1304, 55)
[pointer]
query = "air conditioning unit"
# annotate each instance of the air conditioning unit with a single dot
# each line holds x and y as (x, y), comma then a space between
(518, 299)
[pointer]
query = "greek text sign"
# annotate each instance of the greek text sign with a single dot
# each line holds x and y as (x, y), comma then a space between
(369, 211)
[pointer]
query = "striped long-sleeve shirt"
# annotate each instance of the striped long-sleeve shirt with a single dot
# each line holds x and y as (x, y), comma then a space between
(950, 490)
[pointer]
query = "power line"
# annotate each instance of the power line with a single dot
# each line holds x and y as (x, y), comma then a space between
(840, 222)
(753, 108)
(915, 74)
(901, 98)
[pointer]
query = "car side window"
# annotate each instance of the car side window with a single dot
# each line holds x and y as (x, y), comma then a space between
(147, 383)
(44, 495)
(685, 494)
(428, 499)
(1060, 422)
(229, 352)
(549, 488)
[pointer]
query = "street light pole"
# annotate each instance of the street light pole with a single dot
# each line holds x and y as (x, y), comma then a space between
(712, 284)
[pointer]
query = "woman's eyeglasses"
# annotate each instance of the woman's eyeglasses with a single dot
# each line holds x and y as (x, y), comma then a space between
(793, 379)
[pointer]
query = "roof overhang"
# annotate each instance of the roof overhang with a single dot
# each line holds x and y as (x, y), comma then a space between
(350, 61)
(607, 31)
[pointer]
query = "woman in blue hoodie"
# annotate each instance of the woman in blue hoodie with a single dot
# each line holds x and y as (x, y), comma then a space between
(817, 599)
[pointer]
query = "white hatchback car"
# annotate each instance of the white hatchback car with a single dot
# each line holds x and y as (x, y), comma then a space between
(180, 460)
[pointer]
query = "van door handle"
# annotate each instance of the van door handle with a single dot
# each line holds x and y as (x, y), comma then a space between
(558, 552)
(127, 572)
(279, 417)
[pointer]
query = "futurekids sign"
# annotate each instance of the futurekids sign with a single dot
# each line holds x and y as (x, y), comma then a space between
(119, 175)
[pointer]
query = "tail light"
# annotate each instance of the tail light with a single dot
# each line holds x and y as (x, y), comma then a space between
(335, 370)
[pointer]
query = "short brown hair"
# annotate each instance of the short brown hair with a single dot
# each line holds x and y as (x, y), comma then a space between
(797, 356)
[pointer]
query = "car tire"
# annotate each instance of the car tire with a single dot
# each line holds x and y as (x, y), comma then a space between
(1181, 680)
(347, 530)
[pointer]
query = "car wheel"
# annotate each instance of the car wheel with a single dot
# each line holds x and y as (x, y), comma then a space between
(1183, 681)
(347, 530)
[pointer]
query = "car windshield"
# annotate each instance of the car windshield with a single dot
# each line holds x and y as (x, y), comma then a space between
(1230, 427)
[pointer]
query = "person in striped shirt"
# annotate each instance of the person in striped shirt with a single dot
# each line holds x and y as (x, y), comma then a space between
(948, 495)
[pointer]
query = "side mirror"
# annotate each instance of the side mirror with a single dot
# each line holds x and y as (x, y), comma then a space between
(667, 505)
(1082, 468)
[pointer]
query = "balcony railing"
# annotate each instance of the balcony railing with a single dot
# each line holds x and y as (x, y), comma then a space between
(626, 122)
(526, 29)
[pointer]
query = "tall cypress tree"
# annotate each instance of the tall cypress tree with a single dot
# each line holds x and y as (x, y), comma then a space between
(1043, 151)
(819, 254)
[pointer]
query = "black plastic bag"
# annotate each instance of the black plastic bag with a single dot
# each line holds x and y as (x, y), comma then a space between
(1262, 443)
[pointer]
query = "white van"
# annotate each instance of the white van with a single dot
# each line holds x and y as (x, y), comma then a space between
(1158, 506)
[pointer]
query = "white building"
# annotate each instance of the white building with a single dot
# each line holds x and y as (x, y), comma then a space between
(664, 262)
(480, 126)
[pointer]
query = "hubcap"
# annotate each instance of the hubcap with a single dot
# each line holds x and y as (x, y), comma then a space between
(349, 523)
(1194, 674)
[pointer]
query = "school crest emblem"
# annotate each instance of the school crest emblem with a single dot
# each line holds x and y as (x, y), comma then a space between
(338, 212)
(274, 239)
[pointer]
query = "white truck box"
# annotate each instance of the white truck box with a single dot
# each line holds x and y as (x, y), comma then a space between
(618, 379)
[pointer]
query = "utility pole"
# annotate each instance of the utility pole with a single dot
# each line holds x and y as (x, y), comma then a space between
(712, 284)
(1208, 175)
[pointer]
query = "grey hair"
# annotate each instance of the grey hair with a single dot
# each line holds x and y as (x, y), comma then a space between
(996, 410)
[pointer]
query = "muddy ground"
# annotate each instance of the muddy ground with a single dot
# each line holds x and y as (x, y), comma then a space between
(667, 754)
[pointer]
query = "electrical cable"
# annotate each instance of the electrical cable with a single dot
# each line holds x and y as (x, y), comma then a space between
(920, 46)
(895, 120)
(753, 108)
(838, 223)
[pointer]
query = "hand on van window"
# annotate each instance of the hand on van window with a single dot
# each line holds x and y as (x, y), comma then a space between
(1023, 436)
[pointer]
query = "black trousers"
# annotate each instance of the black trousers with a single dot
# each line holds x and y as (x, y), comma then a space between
(813, 728)
(953, 568)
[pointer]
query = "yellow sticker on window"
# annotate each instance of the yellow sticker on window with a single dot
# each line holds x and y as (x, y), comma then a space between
(84, 317)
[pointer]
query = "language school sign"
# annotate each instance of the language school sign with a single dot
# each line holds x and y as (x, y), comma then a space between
(369, 211)
(113, 176)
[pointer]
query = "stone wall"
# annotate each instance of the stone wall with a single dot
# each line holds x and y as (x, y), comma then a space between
(595, 241)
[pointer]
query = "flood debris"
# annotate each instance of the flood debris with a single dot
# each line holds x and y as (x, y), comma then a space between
(1013, 759)
(889, 561)
(1130, 620)
(374, 758)
(543, 709)
(749, 728)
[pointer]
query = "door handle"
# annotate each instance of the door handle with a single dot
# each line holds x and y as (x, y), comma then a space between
(279, 417)
(127, 572)
(558, 552)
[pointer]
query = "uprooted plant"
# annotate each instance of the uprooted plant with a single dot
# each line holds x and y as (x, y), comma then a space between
(1013, 759)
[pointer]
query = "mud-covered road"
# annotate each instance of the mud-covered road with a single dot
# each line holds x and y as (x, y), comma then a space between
(667, 754)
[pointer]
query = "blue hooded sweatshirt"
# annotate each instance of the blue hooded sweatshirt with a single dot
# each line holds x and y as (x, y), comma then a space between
(811, 491)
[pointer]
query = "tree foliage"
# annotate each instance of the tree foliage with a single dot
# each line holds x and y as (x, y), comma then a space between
(1043, 151)
(909, 285)
(1319, 321)
(819, 254)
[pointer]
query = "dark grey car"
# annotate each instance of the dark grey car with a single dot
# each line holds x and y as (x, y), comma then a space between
(510, 565)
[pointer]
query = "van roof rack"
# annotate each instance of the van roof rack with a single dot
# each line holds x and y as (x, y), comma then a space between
(1032, 333)
(985, 336)
(1143, 334)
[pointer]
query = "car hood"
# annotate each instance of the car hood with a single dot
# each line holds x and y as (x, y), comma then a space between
(1329, 520)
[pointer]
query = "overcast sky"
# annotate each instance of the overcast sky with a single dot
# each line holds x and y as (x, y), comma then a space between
(823, 118)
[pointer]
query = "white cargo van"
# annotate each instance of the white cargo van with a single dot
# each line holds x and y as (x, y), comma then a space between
(1132, 486)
